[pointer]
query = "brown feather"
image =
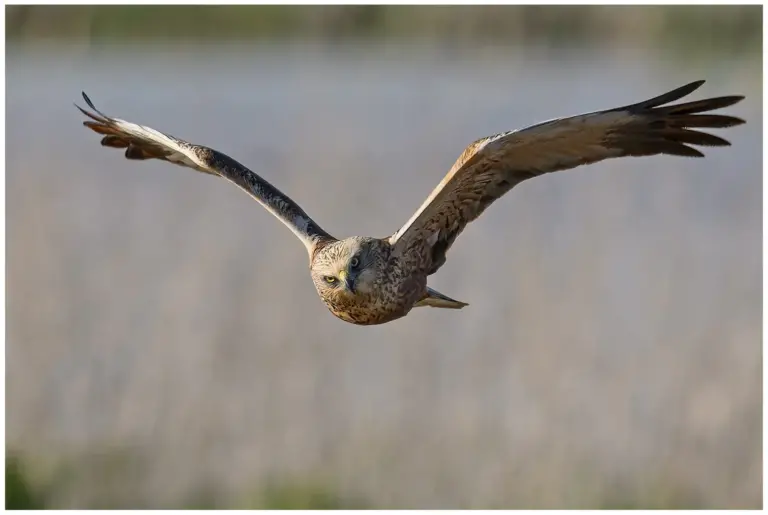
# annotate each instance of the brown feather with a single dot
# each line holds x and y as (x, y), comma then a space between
(114, 141)
(712, 121)
(694, 137)
(135, 152)
(490, 167)
(701, 106)
(100, 128)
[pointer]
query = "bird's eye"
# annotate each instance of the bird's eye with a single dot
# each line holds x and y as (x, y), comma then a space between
(354, 262)
(330, 279)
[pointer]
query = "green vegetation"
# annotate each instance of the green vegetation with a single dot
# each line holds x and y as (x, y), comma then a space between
(287, 494)
(112, 469)
(19, 495)
(302, 496)
(656, 497)
(727, 28)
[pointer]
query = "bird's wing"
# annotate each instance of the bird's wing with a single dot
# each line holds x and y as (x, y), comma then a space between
(142, 142)
(490, 167)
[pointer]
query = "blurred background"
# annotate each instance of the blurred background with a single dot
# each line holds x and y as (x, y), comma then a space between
(166, 347)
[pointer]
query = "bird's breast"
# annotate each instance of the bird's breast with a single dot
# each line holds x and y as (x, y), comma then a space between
(388, 301)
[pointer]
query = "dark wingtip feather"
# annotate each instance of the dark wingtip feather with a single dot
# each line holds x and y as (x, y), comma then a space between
(88, 101)
(694, 137)
(678, 149)
(666, 128)
(114, 141)
(688, 152)
(684, 90)
(712, 121)
(134, 152)
(736, 121)
(92, 116)
(702, 106)
(666, 98)
(688, 88)
(101, 116)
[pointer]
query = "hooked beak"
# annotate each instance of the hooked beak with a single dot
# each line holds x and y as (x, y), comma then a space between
(349, 283)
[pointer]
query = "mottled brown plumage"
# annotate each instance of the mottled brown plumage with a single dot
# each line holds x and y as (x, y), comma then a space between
(370, 281)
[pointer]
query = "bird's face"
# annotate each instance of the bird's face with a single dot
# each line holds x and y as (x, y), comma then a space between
(346, 268)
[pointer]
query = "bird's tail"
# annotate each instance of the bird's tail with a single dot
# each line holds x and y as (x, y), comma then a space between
(436, 299)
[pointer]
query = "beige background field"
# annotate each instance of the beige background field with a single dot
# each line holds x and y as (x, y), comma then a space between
(166, 348)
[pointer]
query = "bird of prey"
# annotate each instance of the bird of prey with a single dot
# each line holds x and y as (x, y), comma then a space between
(369, 281)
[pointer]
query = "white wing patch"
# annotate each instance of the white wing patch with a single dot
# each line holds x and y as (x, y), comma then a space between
(181, 155)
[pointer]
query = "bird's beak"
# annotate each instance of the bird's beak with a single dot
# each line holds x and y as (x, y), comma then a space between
(348, 281)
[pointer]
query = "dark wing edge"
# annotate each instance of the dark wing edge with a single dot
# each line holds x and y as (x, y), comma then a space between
(142, 143)
(490, 167)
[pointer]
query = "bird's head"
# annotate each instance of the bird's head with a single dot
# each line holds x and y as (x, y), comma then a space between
(347, 268)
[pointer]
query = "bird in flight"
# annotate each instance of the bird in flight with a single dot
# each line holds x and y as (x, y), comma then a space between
(367, 281)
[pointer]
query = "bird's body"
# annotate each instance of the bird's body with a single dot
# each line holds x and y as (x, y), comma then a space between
(374, 291)
(384, 284)
(369, 281)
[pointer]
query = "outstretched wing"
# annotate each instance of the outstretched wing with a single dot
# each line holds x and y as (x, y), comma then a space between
(142, 142)
(490, 167)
